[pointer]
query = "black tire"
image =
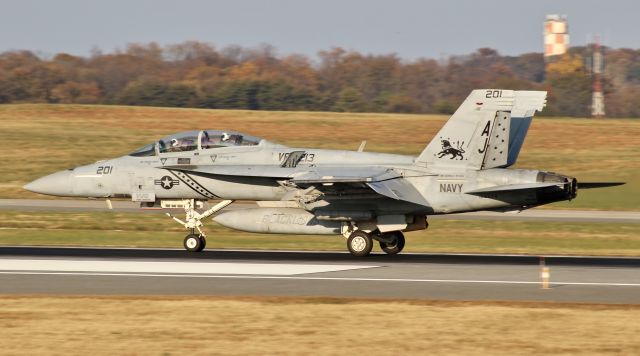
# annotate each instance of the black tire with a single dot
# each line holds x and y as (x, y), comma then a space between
(204, 243)
(394, 247)
(193, 243)
(360, 243)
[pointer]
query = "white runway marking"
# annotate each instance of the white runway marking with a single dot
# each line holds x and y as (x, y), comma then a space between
(162, 268)
(348, 279)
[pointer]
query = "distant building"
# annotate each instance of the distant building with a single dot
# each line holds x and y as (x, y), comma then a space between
(556, 35)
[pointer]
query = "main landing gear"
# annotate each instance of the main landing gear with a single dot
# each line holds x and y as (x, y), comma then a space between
(360, 243)
(196, 242)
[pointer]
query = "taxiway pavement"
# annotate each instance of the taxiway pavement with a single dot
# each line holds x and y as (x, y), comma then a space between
(88, 271)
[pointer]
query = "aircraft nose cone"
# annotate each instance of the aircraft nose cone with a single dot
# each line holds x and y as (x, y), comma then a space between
(58, 183)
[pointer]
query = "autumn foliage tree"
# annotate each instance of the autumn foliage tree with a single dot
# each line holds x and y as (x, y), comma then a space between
(570, 86)
(196, 74)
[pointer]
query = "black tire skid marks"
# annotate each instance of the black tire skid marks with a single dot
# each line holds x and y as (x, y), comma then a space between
(194, 185)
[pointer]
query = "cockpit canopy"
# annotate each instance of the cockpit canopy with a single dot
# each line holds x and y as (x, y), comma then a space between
(196, 140)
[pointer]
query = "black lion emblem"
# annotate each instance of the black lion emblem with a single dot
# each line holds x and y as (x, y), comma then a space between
(448, 149)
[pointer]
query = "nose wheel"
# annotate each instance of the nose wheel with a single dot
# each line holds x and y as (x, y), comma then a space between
(194, 243)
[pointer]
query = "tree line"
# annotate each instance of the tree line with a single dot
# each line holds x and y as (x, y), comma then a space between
(196, 74)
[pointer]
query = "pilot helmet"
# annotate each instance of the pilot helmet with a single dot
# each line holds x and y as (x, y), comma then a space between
(225, 136)
(174, 142)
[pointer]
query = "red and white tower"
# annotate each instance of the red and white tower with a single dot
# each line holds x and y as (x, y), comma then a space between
(556, 35)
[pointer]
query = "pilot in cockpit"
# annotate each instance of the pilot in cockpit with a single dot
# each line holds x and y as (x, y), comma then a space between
(175, 145)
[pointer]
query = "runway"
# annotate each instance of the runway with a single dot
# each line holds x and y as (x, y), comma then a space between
(622, 217)
(90, 271)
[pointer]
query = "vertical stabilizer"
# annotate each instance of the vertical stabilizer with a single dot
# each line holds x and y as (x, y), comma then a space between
(486, 131)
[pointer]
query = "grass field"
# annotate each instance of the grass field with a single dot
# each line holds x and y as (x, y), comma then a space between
(301, 326)
(156, 230)
(40, 139)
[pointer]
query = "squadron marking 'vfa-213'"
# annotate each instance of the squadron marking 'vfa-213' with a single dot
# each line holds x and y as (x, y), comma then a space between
(363, 196)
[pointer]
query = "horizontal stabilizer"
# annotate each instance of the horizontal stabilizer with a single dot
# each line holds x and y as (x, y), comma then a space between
(591, 185)
(509, 187)
(398, 189)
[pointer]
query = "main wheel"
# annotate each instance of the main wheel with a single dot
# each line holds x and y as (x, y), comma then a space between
(193, 243)
(359, 243)
(396, 245)
(204, 243)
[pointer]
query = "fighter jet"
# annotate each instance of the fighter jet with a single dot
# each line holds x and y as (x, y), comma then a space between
(363, 196)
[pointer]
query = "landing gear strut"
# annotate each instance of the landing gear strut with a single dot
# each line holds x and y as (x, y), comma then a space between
(196, 242)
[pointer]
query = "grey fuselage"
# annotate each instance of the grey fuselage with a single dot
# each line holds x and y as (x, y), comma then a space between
(159, 177)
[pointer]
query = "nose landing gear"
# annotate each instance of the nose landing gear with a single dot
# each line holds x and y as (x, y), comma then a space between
(196, 242)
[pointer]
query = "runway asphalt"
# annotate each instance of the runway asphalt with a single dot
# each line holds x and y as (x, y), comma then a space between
(623, 217)
(89, 271)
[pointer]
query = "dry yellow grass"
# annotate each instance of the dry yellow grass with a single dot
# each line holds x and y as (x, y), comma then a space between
(232, 326)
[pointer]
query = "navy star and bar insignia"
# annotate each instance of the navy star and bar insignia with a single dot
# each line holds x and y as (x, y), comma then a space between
(167, 182)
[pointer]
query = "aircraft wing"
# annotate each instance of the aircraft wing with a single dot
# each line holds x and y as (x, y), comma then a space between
(384, 181)
(329, 175)
(236, 170)
(301, 175)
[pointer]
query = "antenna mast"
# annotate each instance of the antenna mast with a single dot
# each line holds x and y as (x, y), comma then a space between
(597, 100)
